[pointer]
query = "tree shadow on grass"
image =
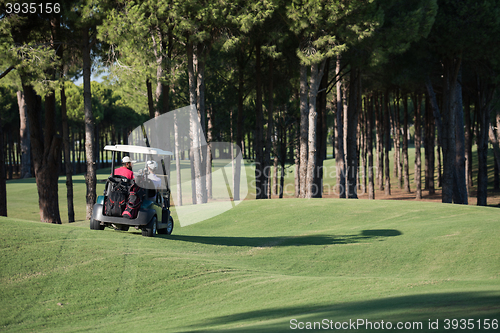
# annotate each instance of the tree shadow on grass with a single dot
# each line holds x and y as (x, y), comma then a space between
(415, 309)
(365, 235)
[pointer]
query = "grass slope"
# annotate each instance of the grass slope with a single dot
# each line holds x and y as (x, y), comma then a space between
(255, 268)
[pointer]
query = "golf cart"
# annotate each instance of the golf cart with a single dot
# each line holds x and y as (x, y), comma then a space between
(152, 213)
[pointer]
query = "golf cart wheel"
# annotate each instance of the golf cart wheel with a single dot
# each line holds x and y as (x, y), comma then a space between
(169, 228)
(150, 230)
(95, 225)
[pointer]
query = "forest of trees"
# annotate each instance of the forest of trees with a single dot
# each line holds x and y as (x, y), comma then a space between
(280, 79)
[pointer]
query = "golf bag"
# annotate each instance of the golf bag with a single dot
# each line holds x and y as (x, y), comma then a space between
(133, 203)
(116, 198)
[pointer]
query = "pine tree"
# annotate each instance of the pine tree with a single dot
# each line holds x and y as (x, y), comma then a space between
(464, 30)
(36, 64)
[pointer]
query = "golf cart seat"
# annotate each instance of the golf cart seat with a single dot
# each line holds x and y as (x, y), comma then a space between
(148, 186)
(151, 190)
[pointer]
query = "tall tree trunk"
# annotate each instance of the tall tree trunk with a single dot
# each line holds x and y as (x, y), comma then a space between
(312, 125)
(339, 144)
(483, 101)
(363, 133)
(157, 38)
(297, 161)
(270, 129)
(369, 148)
(196, 158)
(482, 153)
(200, 102)
(67, 161)
(46, 150)
(460, 184)
(239, 125)
(78, 153)
(495, 139)
(451, 68)
(239, 122)
(379, 137)
(352, 127)
(387, 133)
(177, 161)
(90, 177)
(496, 147)
(193, 173)
(304, 126)
(282, 159)
(165, 98)
(196, 181)
(418, 159)
(251, 144)
(406, 164)
(277, 149)
(426, 139)
(496, 153)
(209, 158)
(73, 144)
(3, 185)
(261, 188)
(345, 118)
(24, 137)
(232, 152)
(237, 172)
(397, 133)
(151, 104)
(439, 165)
(315, 80)
(429, 146)
(468, 143)
(496, 175)
(321, 131)
(275, 169)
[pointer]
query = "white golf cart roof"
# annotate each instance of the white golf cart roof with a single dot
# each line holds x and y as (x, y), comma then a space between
(137, 149)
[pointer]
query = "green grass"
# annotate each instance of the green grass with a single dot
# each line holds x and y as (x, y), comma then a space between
(255, 268)
(252, 269)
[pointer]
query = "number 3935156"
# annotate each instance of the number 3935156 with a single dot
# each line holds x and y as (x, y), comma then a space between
(32, 8)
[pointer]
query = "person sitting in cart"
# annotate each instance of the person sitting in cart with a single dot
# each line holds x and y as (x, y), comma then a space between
(126, 169)
(152, 166)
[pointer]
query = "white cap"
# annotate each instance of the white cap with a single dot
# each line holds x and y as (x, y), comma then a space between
(127, 159)
(152, 165)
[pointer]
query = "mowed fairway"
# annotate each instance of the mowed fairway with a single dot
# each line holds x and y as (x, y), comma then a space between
(264, 266)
